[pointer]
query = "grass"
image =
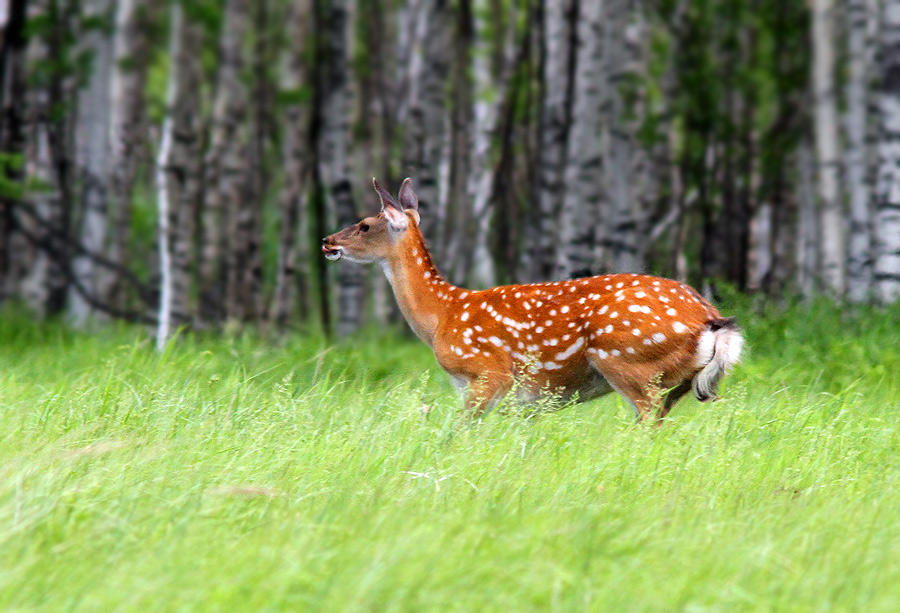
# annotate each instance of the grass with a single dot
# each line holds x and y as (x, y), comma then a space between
(234, 474)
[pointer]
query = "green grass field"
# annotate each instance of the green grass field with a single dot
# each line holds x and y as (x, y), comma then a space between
(245, 475)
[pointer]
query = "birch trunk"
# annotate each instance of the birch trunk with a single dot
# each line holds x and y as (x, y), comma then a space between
(292, 281)
(333, 149)
(426, 130)
(808, 230)
(827, 148)
(860, 32)
(490, 94)
(887, 204)
(13, 81)
(178, 174)
(584, 167)
(131, 54)
(225, 167)
(92, 158)
(626, 234)
(557, 39)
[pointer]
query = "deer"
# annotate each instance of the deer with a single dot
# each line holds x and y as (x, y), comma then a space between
(649, 338)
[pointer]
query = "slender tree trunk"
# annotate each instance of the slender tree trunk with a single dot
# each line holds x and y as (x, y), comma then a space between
(808, 231)
(131, 55)
(827, 148)
(336, 29)
(582, 202)
(226, 164)
(92, 158)
(178, 174)
(490, 95)
(292, 277)
(12, 138)
(556, 102)
(427, 125)
(887, 198)
(860, 33)
(626, 183)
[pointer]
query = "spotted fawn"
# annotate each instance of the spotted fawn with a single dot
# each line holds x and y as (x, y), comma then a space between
(650, 339)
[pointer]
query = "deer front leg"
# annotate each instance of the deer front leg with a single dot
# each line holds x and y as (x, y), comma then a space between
(484, 392)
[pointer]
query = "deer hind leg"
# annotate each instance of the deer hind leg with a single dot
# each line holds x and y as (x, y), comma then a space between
(673, 396)
(485, 391)
(644, 393)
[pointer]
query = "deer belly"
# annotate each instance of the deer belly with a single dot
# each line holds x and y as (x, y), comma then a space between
(579, 381)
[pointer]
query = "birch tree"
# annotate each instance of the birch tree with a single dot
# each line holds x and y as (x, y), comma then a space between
(335, 102)
(131, 51)
(887, 191)
(178, 173)
(225, 165)
(556, 38)
(827, 148)
(582, 202)
(292, 272)
(92, 158)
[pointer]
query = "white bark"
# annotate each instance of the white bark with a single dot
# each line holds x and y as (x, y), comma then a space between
(554, 122)
(92, 158)
(584, 167)
(827, 148)
(887, 215)
(293, 249)
(624, 177)
(490, 93)
(333, 150)
(226, 163)
(807, 224)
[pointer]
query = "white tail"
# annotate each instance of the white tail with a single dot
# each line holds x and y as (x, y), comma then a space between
(648, 338)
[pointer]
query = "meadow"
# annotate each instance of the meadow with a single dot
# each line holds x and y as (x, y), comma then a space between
(241, 473)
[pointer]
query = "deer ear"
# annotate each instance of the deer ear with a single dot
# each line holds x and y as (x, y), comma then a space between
(392, 210)
(386, 199)
(407, 196)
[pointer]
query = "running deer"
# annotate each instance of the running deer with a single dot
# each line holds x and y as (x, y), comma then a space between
(650, 339)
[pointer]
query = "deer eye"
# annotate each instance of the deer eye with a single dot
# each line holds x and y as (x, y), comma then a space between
(363, 227)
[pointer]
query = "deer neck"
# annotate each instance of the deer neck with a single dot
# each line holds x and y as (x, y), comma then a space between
(421, 292)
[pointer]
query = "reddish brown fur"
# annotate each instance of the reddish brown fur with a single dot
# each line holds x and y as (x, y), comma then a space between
(636, 334)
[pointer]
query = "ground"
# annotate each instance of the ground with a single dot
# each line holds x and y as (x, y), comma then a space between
(237, 473)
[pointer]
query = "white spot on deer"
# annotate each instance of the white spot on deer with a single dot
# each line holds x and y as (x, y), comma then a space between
(539, 329)
(671, 312)
(553, 342)
(659, 337)
(634, 308)
(647, 341)
(553, 312)
(527, 305)
(626, 323)
(636, 283)
(608, 329)
(427, 275)
(645, 310)
(568, 353)
(603, 355)
(603, 309)
(609, 287)
(640, 295)
(479, 328)
(552, 366)
(457, 351)
(629, 349)
(496, 341)
(620, 284)
(464, 316)
(582, 300)
(614, 314)
(679, 327)
(484, 305)
(636, 331)
(467, 340)
(564, 309)
(518, 294)
(463, 295)
(415, 252)
(656, 283)
(532, 347)
(663, 299)
(616, 352)
(419, 261)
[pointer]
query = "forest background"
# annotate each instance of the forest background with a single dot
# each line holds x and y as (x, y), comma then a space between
(183, 159)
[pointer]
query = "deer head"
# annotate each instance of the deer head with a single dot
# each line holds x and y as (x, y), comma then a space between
(375, 239)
